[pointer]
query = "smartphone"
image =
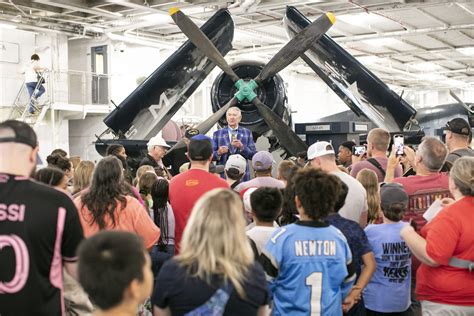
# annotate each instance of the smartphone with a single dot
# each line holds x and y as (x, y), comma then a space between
(358, 150)
(399, 142)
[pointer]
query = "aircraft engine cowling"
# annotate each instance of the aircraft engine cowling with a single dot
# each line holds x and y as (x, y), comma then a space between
(272, 93)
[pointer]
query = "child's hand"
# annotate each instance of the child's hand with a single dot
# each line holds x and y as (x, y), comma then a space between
(348, 303)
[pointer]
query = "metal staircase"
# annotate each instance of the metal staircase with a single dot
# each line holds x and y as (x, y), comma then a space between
(20, 109)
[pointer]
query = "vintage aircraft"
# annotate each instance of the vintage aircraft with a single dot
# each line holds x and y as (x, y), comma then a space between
(255, 88)
(365, 94)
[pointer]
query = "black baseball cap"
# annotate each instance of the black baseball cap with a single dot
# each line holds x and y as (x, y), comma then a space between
(24, 134)
(392, 193)
(459, 126)
(200, 148)
(349, 144)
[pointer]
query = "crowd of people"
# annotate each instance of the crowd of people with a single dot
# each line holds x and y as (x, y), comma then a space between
(325, 233)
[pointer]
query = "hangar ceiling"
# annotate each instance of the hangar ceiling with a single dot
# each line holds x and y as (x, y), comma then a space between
(408, 43)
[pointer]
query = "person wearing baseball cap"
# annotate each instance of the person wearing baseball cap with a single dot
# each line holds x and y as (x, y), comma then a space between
(458, 138)
(393, 273)
(39, 228)
(186, 188)
(235, 169)
(157, 148)
(262, 163)
(321, 155)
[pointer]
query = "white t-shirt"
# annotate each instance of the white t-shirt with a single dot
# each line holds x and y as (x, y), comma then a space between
(30, 73)
(260, 235)
(356, 200)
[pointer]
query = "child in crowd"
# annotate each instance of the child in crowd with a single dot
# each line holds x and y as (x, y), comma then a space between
(115, 270)
(389, 289)
(362, 254)
(310, 260)
(368, 179)
(266, 205)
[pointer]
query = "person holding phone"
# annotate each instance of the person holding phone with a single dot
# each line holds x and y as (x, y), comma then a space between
(378, 141)
(233, 139)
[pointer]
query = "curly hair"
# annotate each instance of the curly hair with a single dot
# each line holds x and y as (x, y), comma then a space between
(317, 191)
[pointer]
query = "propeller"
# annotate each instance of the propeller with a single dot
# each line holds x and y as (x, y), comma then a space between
(455, 96)
(246, 88)
(297, 46)
(205, 126)
(200, 40)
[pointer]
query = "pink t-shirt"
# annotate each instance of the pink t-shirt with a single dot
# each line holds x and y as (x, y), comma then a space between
(364, 164)
(133, 218)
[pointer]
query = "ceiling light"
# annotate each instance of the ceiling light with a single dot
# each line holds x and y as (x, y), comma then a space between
(426, 66)
(371, 59)
(379, 42)
(431, 77)
(468, 51)
(7, 26)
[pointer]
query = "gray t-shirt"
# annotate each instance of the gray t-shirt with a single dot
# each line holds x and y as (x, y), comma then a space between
(356, 200)
(463, 152)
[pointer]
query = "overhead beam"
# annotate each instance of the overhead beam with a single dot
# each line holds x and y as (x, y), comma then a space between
(79, 5)
(396, 34)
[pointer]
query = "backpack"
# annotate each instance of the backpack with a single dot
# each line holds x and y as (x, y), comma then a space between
(216, 304)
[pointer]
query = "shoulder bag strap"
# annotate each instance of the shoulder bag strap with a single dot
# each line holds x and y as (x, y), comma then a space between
(377, 165)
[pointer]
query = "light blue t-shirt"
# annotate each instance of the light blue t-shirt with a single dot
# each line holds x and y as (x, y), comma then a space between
(389, 289)
(312, 264)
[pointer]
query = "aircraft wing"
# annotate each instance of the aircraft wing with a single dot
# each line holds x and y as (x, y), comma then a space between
(153, 103)
(358, 87)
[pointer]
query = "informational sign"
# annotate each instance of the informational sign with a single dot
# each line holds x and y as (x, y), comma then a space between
(9, 52)
(314, 128)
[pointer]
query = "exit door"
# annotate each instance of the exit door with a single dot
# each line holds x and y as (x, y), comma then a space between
(100, 81)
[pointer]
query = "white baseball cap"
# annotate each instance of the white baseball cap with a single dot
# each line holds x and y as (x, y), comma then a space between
(158, 140)
(236, 161)
(319, 149)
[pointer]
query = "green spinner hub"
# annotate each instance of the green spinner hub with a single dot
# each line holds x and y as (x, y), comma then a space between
(246, 90)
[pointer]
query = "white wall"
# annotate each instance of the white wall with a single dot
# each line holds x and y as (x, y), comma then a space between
(11, 77)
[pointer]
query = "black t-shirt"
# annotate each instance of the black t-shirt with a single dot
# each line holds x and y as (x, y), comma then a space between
(182, 293)
(39, 229)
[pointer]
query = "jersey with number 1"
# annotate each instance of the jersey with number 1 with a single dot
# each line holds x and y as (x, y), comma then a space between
(312, 260)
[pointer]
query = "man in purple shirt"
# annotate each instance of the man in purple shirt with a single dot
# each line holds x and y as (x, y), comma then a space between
(378, 141)
(233, 139)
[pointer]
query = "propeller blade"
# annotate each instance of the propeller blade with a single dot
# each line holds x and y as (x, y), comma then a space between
(455, 96)
(197, 37)
(282, 131)
(297, 46)
(205, 126)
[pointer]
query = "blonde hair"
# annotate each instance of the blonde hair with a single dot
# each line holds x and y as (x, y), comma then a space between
(140, 171)
(82, 175)
(214, 240)
(462, 173)
(284, 169)
(368, 179)
(380, 138)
